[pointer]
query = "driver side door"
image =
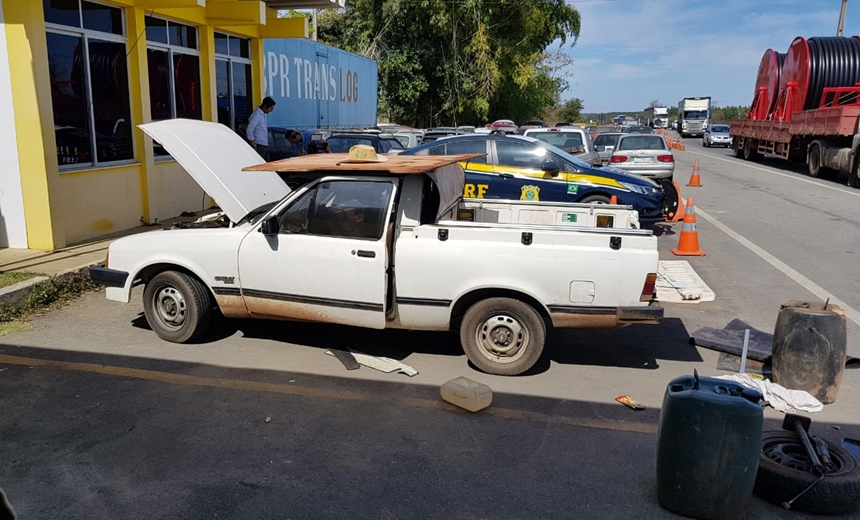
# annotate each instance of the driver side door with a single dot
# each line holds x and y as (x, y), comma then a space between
(328, 260)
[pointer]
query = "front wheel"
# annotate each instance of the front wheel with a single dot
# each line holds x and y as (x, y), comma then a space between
(854, 175)
(177, 306)
(502, 336)
(785, 470)
(595, 199)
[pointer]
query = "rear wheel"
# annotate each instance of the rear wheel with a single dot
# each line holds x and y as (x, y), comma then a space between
(750, 152)
(736, 147)
(854, 175)
(502, 336)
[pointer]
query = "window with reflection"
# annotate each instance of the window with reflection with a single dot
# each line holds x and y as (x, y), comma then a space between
(173, 59)
(233, 81)
(88, 76)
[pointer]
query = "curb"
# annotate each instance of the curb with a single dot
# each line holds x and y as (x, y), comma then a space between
(16, 295)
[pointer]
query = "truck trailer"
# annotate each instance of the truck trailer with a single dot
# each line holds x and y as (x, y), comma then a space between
(694, 113)
(656, 117)
(804, 113)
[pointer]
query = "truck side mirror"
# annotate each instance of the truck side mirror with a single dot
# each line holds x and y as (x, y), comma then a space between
(270, 226)
(551, 168)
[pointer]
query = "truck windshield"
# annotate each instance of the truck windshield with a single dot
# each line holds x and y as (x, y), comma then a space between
(696, 114)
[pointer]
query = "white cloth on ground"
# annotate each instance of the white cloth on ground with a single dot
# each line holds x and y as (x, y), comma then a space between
(779, 397)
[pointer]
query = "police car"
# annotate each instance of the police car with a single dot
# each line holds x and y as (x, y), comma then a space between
(524, 168)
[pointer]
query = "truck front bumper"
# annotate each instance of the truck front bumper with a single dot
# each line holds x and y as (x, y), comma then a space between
(108, 277)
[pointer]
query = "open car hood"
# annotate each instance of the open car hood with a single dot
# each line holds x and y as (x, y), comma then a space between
(214, 156)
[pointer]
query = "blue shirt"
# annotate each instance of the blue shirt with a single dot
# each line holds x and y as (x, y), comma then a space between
(258, 128)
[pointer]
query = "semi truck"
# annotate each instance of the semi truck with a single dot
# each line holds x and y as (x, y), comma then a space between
(656, 117)
(694, 113)
(803, 113)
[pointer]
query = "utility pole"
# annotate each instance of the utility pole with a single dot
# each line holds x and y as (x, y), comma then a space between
(842, 18)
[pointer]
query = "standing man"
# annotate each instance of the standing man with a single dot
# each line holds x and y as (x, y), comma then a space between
(258, 128)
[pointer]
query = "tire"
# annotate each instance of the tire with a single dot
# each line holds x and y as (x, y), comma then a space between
(736, 148)
(750, 154)
(704, 144)
(178, 307)
(597, 199)
(854, 175)
(513, 322)
(784, 471)
(813, 162)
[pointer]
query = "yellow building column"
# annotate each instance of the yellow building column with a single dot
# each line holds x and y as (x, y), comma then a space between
(257, 58)
(138, 84)
(208, 81)
(34, 125)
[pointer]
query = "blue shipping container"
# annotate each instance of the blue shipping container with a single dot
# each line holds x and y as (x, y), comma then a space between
(317, 86)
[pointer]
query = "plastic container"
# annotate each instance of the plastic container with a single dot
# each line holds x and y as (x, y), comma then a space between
(809, 348)
(467, 394)
(708, 447)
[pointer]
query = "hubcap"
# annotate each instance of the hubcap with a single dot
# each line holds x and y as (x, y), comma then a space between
(792, 454)
(169, 306)
(502, 338)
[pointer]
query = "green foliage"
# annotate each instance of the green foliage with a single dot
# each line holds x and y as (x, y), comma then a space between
(46, 294)
(457, 62)
(12, 277)
(726, 114)
(571, 111)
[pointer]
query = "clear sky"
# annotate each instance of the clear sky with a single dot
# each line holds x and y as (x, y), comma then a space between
(632, 51)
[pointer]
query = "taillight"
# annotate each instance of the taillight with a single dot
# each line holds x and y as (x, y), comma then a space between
(666, 158)
(648, 288)
(618, 158)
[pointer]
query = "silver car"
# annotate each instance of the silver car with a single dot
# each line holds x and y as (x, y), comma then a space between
(574, 140)
(644, 154)
(717, 135)
(604, 144)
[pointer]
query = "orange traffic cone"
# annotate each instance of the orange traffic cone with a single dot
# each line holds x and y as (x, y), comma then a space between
(695, 181)
(679, 214)
(672, 142)
(688, 244)
(613, 200)
(681, 146)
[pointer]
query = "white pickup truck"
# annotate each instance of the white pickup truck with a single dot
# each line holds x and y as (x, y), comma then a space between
(374, 245)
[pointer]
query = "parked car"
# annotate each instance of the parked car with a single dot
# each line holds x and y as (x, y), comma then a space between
(638, 129)
(337, 251)
(717, 135)
(646, 155)
(524, 168)
(604, 144)
(407, 139)
(503, 125)
(572, 139)
(382, 143)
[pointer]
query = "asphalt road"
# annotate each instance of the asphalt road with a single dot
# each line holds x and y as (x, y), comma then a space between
(100, 419)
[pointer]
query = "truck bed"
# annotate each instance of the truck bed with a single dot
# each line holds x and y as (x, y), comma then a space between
(548, 213)
(820, 123)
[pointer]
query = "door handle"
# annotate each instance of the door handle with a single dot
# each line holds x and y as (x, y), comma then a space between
(366, 254)
(506, 176)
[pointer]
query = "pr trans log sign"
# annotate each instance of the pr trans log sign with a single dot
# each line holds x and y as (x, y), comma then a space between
(317, 86)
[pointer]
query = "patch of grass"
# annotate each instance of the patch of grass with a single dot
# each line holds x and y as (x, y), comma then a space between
(8, 278)
(13, 326)
(48, 295)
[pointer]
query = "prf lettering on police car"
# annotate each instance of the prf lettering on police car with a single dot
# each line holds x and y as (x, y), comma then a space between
(469, 191)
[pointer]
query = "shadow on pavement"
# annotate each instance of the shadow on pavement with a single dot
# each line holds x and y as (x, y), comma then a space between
(106, 436)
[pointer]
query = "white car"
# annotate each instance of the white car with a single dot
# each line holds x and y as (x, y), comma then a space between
(326, 253)
(574, 140)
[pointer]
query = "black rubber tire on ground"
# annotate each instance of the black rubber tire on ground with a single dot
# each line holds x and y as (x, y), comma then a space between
(854, 175)
(736, 147)
(490, 321)
(750, 152)
(178, 307)
(813, 162)
(599, 199)
(784, 471)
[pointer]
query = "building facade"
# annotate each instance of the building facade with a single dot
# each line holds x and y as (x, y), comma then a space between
(78, 76)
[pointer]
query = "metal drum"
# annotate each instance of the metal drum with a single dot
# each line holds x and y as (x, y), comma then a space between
(809, 348)
(708, 447)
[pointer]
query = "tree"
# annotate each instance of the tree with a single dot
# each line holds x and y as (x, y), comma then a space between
(457, 61)
(655, 103)
(571, 110)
